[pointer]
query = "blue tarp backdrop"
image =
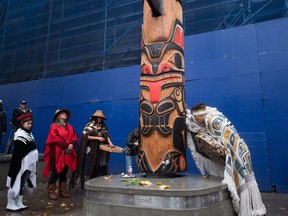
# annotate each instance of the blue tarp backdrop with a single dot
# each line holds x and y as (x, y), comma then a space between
(242, 71)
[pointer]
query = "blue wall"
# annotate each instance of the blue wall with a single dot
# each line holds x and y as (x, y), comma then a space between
(116, 92)
(243, 71)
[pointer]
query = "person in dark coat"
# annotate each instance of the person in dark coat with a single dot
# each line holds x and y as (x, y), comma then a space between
(3, 121)
(22, 109)
(92, 161)
(131, 149)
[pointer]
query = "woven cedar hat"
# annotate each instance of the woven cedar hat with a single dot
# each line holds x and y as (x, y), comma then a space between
(99, 113)
(26, 117)
(57, 112)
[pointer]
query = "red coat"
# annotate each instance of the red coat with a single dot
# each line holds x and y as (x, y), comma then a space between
(58, 140)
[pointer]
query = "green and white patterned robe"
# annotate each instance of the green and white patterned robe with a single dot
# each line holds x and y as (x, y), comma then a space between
(236, 168)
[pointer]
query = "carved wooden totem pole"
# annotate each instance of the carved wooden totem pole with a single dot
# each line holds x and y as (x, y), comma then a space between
(162, 149)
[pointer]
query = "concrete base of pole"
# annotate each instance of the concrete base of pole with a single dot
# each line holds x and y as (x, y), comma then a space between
(187, 195)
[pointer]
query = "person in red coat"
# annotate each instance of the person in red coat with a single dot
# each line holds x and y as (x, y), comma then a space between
(60, 153)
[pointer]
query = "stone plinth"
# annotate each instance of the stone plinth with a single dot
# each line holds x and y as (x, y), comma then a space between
(188, 195)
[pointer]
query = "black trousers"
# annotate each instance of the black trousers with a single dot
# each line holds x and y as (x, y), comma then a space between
(100, 171)
(54, 176)
(23, 179)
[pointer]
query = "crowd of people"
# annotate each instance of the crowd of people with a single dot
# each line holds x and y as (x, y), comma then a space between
(214, 142)
(61, 153)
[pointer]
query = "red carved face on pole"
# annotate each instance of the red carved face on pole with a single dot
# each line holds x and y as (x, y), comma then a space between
(162, 99)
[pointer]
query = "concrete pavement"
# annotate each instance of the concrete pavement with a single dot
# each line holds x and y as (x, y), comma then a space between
(39, 204)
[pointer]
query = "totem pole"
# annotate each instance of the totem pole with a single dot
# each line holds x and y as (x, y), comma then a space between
(162, 149)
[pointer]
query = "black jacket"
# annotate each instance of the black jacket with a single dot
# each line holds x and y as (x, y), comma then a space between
(18, 112)
(131, 149)
(3, 121)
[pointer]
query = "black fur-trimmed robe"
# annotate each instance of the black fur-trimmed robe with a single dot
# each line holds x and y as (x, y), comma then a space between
(89, 161)
(24, 157)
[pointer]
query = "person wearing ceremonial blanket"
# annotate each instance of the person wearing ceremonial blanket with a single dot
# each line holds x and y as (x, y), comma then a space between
(60, 153)
(92, 161)
(218, 150)
(23, 163)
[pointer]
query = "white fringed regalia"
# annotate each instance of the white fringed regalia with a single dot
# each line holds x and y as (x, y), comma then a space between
(236, 168)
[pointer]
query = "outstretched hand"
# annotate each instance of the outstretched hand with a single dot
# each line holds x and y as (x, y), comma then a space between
(111, 145)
